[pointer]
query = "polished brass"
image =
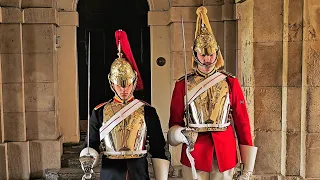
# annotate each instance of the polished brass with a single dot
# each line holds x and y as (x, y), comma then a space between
(211, 107)
(205, 43)
(121, 73)
(127, 139)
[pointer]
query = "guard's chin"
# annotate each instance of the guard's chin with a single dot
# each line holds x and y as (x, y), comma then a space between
(124, 96)
(208, 66)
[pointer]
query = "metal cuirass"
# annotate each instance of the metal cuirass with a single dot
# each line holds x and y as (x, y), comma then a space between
(127, 139)
(210, 110)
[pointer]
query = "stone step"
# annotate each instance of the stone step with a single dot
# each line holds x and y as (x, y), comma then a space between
(69, 173)
(76, 174)
(71, 168)
(72, 148)
(71, 160)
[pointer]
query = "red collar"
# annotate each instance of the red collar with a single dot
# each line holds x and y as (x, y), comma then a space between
(118, 100)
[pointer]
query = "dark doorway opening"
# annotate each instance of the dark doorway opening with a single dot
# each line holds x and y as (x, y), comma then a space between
(102, 18)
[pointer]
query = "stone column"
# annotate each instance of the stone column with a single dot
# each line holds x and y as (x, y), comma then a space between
(41, 83)
(68, 71)
(279, 50)
(310, 125)
(30, 132)
(160, 75)
(245, 71)
(13, 114)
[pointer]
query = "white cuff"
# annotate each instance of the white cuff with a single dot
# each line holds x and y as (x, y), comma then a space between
(92, 152)
(248, 156)
(160, 168)
(175, 137)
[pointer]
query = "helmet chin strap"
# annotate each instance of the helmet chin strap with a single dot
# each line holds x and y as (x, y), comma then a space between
(206, 65)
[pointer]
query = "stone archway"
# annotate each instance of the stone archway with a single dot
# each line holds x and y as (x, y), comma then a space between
(69, 108)
(67, 32)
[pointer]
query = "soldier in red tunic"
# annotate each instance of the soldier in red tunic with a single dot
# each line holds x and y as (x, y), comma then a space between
(214, 98)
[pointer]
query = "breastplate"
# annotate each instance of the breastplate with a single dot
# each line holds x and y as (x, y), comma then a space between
(127, 139)
(209, 111)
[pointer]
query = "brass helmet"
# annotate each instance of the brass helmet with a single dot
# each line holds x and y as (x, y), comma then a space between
(124, 71)
(121, 73)
(205, 42)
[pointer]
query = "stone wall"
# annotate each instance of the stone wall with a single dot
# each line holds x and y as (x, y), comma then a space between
(273, 48)
(279, 59)
(33, 112)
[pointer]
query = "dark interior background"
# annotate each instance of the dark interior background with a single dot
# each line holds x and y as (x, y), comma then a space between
(102, 18)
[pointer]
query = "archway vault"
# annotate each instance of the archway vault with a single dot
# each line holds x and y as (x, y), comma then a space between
(68, 89)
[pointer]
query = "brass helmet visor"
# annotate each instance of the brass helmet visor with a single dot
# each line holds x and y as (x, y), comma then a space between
(206, 51)
(121, 73)
(205, 44)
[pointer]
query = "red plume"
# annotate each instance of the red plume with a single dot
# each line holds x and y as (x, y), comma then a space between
(121, 36)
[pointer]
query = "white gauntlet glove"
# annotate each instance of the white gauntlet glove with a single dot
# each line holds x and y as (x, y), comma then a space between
(178, 135)
(248, 157)
(175, 136)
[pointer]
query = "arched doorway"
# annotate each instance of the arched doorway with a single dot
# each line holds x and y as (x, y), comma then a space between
(102, 18)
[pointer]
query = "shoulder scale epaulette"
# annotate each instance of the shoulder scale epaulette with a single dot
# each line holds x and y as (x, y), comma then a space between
(189, 74)
(227, 73)
(100, 105)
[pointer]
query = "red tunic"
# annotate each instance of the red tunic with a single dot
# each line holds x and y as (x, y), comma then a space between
(222, 143)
